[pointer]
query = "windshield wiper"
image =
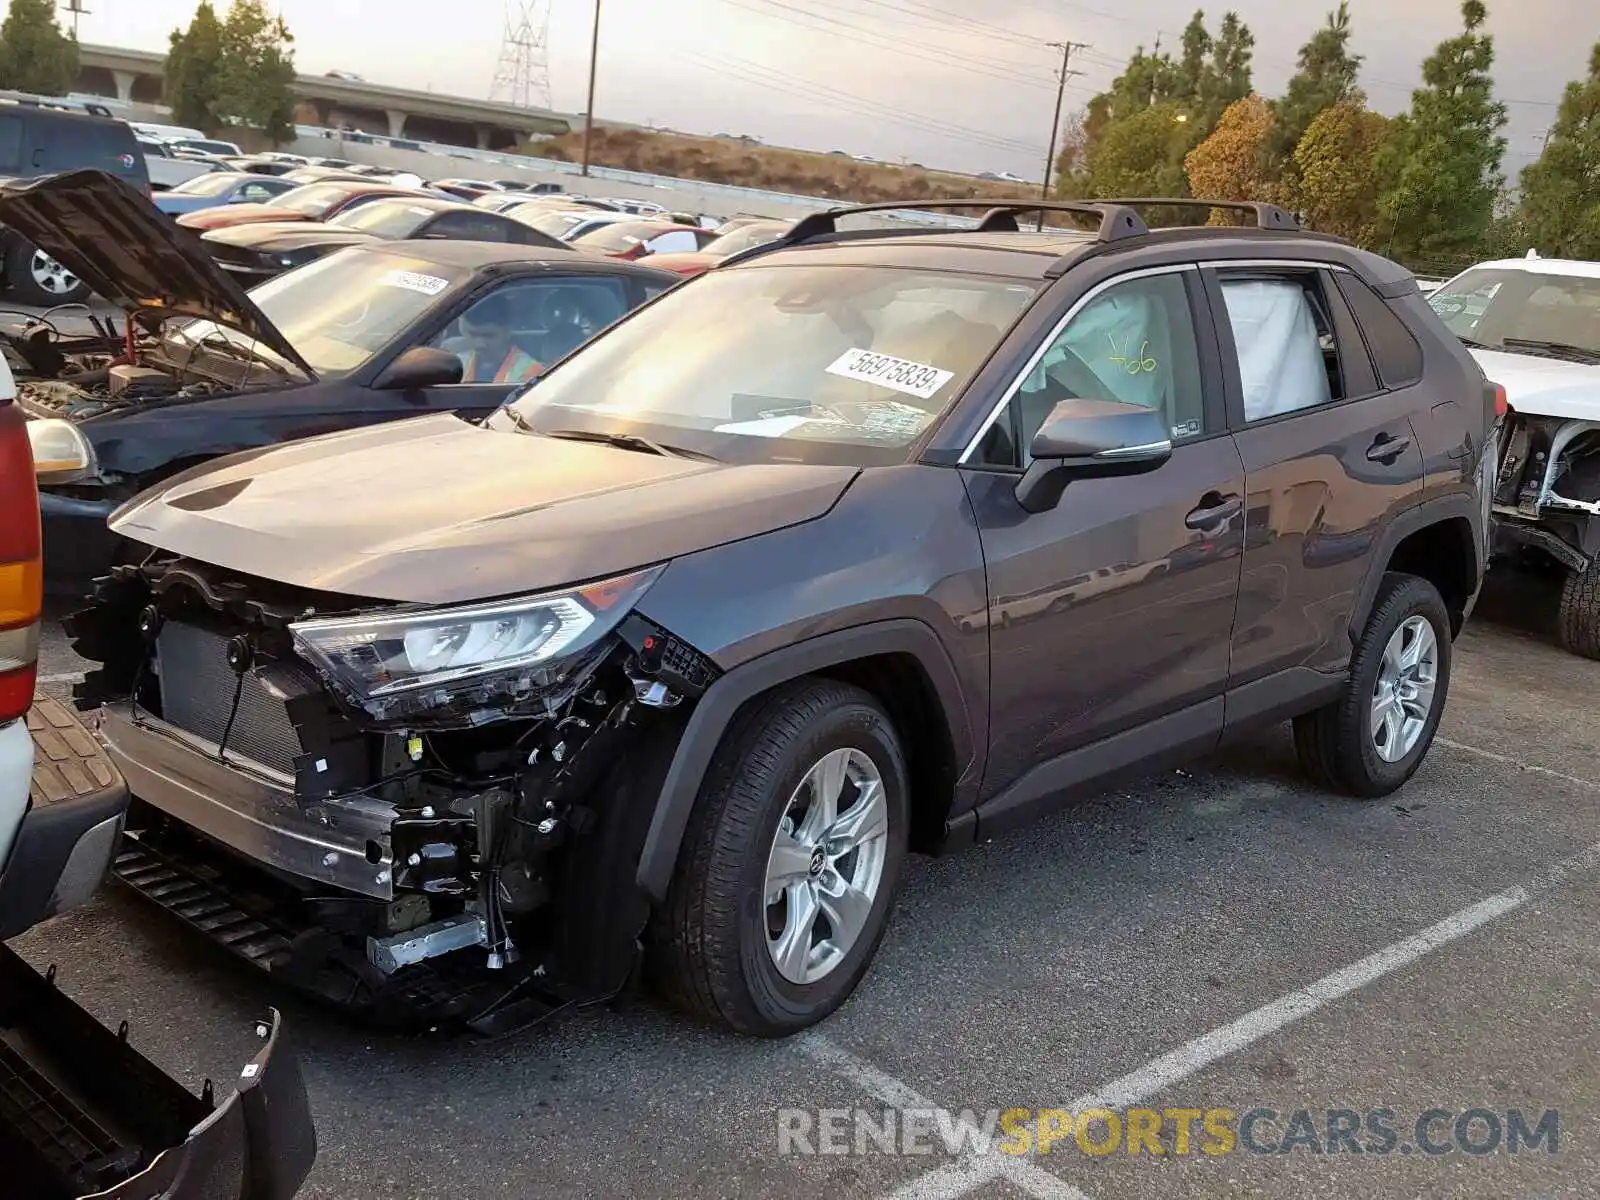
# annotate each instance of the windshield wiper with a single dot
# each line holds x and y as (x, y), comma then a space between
(629, 441)
(1472, 345)
(1581, 353)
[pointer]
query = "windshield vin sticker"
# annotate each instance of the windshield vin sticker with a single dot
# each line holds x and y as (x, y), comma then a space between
(898, 374)
(428, 285)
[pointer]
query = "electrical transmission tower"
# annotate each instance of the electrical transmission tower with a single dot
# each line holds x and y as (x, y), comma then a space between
(522, 76)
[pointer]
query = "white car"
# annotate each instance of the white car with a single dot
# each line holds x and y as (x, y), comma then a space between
(1533, 324)
(567, 224)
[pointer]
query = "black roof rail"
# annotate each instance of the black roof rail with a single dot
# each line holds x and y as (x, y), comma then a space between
(1268, 216)
(1116, 220)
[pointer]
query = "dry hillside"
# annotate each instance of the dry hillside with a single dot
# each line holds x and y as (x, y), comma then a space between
(801, 172)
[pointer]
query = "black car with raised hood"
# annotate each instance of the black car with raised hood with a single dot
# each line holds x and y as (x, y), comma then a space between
(255, 253)
(366, 335)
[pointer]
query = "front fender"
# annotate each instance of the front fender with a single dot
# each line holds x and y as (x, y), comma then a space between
(715, 711)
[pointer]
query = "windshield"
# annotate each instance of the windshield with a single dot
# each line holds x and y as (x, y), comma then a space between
(556, 224)
(1523, 311)
(314, 199)
(385, 218)
(208, 146)
(206, 185)
(840, 364)
(340, 310)
(746, 237)
(619, 235)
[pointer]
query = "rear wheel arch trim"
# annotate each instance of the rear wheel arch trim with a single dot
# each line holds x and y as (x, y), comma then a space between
(1438, 511)
(716, 709)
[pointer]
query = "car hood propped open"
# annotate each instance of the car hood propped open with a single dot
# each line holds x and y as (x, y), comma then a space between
(439, 511)
(130, 253)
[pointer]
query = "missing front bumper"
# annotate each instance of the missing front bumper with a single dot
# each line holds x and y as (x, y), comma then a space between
(343, 842)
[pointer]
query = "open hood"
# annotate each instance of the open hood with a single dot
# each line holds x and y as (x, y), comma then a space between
(129, 252)
(438, 511)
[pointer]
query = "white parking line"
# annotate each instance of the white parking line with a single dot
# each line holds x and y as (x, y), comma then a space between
(1507, 761)
(967, 1171)
(973, 1170)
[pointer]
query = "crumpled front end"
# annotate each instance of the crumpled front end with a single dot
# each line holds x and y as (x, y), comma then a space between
(1547, 493)
(421, 812)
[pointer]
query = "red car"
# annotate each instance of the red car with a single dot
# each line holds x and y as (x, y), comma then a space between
(747, 235)
(313, 202)
(636, 239)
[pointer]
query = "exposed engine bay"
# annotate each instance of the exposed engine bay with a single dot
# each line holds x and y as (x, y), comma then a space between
(466, 851)
(1547, 492)
(79, 376)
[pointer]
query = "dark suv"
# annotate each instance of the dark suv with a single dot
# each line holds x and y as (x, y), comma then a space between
(862, 542)
(35, 140)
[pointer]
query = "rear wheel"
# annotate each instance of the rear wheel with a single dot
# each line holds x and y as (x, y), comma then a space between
(36, 278)
(1579, 618)
(790, 863)
(1373, 738)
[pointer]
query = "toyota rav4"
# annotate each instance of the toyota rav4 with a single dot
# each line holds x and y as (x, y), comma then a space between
(860, 543)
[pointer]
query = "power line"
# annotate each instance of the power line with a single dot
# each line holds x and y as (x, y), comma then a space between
(1006, 73)
(754, 73)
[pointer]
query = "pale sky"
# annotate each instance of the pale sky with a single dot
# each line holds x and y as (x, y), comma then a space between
(947, 83)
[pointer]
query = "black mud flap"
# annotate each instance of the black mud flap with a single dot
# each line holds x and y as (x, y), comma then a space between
(84, 1114)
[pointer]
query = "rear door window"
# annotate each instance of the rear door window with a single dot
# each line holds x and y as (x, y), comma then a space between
(1282, 333)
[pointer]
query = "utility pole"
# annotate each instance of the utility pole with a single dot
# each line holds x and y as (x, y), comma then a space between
(76, 8)
(1066, 49)
(588, 111)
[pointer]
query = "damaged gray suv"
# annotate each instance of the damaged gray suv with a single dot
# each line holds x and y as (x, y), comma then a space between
(863, 543)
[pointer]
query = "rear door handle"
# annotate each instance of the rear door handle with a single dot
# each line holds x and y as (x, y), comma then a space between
(1214, 509)
(1387, 448)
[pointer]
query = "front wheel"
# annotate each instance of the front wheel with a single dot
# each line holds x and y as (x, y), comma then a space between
(1579, 624)
(790, 863)
(1373, 738)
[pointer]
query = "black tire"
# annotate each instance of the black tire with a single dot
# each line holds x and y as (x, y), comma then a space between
(1334, 744)
(709, 951)
(25, 289)
(1579, 623)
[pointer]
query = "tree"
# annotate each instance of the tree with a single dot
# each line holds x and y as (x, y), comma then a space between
(1140, 156)
(1226, 76)
(1326, 76)
(254, 84)
(1445, 157)
(1072, 160)
(193, 72)
(1560, 210)
(1337, 170)
(1231, 164)
(35, 56)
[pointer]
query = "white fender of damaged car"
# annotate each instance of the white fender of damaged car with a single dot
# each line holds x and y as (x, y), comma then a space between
(1544, 387)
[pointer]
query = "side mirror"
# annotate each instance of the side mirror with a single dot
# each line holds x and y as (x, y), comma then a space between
(1091, 439)
(420, 367)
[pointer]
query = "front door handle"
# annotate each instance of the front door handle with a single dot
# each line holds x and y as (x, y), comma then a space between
(1386, 448)
(1214, 509)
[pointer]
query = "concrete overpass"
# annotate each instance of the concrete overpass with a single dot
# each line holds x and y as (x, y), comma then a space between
(135, 77)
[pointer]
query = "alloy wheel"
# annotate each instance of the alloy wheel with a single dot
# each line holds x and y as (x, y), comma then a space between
(51, 276)
(826, 865)
(1403, 696)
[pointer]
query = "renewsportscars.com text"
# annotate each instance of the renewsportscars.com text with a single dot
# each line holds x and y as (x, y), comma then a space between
(1260, 1129)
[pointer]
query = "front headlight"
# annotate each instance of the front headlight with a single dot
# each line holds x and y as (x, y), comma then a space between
(516, 643)
(61, 454)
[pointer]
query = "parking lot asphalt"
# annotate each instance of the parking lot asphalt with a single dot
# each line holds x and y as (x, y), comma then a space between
(1221, 937)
